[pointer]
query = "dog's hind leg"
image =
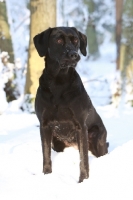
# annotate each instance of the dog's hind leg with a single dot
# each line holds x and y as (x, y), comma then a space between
(97, 141)
(102, 146)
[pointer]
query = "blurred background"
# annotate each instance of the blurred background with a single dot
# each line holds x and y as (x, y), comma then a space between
(107, 75)
(107, 71)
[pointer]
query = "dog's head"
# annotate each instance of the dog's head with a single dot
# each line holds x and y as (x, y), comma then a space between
(61, 44)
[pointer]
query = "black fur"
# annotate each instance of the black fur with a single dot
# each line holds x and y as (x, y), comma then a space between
(63, 107)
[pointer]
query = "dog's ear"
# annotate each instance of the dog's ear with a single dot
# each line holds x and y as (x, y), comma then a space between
(83, 41)
(41, 42)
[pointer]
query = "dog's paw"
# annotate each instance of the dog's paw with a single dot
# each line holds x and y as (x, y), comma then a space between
(47, 169)
(83, 176)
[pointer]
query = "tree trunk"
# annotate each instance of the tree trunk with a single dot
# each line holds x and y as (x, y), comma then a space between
(126, 54)
(43, 16)
(119, 9)
(91, 31)
(127, 33)
(5, 37)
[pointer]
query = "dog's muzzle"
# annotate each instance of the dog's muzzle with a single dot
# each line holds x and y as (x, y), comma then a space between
(72, 57)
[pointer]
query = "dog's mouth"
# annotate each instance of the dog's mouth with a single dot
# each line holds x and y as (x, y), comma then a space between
(69, 63)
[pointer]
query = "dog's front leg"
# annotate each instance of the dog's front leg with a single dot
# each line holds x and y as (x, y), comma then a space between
(83, 149)
(46, 136)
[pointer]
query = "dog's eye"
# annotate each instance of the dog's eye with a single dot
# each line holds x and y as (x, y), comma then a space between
(75, 40)
(60, 41)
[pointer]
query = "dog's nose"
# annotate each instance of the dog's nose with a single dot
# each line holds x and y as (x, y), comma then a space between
(72, 55)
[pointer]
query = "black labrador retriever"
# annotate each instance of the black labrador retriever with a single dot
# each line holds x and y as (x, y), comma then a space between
(63, 107)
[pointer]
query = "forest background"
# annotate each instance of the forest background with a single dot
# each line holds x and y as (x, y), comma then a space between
(108, 26)
(107, 75)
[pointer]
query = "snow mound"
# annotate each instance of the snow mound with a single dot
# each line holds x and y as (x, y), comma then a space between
(21, 177)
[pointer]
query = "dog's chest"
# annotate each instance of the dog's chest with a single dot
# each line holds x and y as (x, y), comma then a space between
(64, 131)
(62, 123)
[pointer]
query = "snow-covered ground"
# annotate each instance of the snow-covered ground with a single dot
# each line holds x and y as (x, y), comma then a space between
(21, 177)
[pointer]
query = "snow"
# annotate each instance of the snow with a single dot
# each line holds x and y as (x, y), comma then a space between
(21, 177)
